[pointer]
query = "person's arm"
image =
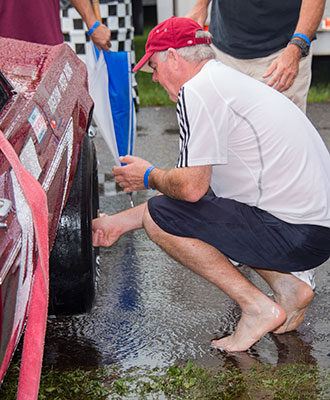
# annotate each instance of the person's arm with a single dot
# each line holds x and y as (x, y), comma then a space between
(101, 35)
(199, 12)
(107, 229)
(286, 67)
(189, 183)
(311, 13)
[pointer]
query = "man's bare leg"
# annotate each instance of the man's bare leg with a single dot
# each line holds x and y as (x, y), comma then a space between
(259, 313)
(290, 293)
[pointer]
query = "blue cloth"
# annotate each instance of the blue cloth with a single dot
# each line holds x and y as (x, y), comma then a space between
(121, 99)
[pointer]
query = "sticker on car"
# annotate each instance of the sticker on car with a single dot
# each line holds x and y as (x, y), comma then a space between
(38, 123)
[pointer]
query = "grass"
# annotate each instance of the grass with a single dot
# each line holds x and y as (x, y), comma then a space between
(60, 385)
(319, 93)
(180, 382)
(152, 94)
(320, 88)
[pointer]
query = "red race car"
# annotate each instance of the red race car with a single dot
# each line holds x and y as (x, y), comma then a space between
(45, 113)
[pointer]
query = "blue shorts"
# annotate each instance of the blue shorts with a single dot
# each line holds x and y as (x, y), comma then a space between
(245, 234)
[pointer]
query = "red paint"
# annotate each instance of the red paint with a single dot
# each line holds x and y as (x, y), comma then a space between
(34, 72)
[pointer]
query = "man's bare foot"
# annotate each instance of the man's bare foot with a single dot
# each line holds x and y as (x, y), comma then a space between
(253, 325)
(294, 296)
(291, 293)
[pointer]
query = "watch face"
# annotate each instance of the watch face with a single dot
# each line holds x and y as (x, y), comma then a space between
(304, 47)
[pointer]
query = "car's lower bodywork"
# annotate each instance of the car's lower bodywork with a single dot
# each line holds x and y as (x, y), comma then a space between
(45, 110)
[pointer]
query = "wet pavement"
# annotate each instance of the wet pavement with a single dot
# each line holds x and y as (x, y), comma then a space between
(150, 311)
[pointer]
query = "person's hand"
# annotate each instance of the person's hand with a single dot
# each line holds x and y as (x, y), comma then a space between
(284, 69)
(130, 176)
(105, 231)
(101, 37)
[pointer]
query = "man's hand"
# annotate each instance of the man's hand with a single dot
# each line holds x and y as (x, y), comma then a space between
(284, 69)
(189, 183)
(101, 37)
(105, 232)
(107, 229)
(130, 176)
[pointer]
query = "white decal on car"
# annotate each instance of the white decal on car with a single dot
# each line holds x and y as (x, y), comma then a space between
(54, 100)
(56, 97)
(66, 143)
(63, 82)
(24, 218)
(29, 159)
(68, 71)
(26, 241)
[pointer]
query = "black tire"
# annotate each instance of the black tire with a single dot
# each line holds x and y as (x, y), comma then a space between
(73, 260)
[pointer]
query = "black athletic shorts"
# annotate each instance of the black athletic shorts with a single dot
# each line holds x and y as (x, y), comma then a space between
(245, 234)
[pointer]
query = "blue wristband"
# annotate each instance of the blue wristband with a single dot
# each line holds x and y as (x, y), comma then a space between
(146, 176)
(92, 29)
(302, 36)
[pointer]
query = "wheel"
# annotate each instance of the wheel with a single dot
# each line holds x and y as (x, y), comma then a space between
(73, 260)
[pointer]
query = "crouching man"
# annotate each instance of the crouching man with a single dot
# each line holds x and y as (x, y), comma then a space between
(251, 186)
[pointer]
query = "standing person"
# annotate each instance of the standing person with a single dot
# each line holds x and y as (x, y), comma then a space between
(269, 174)
(269, 41)
(38, 21)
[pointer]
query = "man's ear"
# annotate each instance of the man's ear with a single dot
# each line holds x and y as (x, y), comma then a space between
(173, 55)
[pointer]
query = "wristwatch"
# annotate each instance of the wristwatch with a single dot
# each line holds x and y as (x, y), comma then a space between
(303, 46)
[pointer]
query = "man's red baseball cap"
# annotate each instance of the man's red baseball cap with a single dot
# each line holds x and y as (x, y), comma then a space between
(173, 32)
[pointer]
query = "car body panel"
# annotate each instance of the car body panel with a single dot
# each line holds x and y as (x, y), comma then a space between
(45, 119)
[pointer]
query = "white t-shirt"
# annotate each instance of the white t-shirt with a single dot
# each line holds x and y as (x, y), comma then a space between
(264, 150)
